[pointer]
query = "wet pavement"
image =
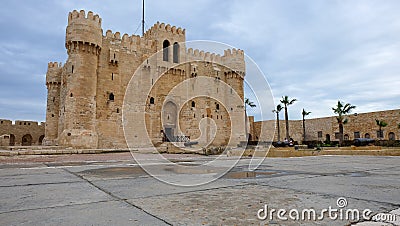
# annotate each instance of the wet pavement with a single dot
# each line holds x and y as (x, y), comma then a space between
(113, 189)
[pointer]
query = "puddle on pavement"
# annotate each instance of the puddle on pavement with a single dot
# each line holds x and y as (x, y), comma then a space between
(247, 174)
(111, 172)
(193, 169)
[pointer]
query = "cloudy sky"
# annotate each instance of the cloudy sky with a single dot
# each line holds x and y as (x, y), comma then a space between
(315, 51)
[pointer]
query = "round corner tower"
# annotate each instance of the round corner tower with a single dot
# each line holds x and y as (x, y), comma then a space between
(83, 43)
(53, 83)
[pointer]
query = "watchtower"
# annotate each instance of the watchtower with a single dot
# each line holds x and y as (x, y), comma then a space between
(53, 83)
(83, 43)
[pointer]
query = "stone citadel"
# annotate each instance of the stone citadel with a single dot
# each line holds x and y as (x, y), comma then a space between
(86, 94)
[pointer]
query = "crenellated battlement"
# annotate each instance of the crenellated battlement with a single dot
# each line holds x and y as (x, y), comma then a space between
(162, 27)
(85, 29)
(129, 42)
(233, 53)
(55, 65)
(200, 55)
(81, 16)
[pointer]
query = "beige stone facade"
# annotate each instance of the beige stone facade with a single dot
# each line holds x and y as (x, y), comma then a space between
(21, 133)
(86, 94)
(320, 129)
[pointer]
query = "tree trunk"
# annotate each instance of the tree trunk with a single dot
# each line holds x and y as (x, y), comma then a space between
(279, 129)
(340, 134)
(287, 123)
(304, 129)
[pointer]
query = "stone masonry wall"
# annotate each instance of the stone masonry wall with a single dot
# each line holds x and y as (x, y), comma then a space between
(362, 124)
(21, 133)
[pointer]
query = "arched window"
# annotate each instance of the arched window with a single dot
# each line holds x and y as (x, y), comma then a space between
(392, 136)
(111, 97)
(367, 135)
(193, 104)
(346, 137)
(151, 100)
(176, 53)
(165, 50)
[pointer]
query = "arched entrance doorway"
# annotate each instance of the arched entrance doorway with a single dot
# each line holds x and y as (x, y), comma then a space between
(327, 138)
(392, 136)
(27, 140)
(12, 139)
(41, 139)
(169, 120)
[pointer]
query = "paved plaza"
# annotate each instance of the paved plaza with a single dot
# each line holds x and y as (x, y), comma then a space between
(111, 189)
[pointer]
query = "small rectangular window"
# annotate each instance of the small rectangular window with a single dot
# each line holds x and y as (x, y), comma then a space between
(337, 135)
(356, 134)
(112, 76)
(319, 134)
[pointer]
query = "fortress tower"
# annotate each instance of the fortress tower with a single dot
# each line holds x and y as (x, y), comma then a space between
(83, 43)
(53, 83)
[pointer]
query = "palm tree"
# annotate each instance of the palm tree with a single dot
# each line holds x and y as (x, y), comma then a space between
(304, 113)
(286, 102)
(249, 103)
(341, 110)
(277, 110)
(380, 124)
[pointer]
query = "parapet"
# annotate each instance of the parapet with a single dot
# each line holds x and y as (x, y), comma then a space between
(84, 28)
(232, 58)
(200, 55)
(26, 123)
(4, 122)
(164, 28)
(233, 53)
(130, 42)
(81, 16)
(54, 65)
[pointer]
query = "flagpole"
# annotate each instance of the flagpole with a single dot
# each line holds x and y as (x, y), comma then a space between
(143, 19)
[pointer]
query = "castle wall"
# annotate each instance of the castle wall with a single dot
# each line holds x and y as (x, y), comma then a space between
(319, 128)
(21, 133)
